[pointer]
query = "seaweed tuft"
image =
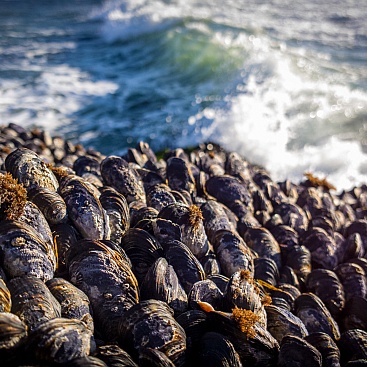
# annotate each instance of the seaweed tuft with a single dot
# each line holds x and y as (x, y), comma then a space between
(245, 319)
(195, 216)
(13, 197)
(319, 182)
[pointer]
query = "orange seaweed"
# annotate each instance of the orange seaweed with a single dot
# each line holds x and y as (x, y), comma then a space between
(13, 197)
(195, 216)
(319, 182)
(245, 319)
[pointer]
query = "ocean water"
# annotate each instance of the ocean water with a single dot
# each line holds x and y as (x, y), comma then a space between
(283, 82)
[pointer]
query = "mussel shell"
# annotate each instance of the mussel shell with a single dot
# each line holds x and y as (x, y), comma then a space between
(64, 238)
(159, 196)
(227, 189)
(30, 170)
(186, 265)
(23, 251)
(150, 324)
(210, 264)
(323, 248)
(5, 297)
(353, 278)
(150, 357)
(354, 315)
(260, 350)
(87, 361)
(60, 340)
(32, 301)
(142, 249)
(33, 216)
(215, 218)
(13, 332)
(50, 203)
(281, 322)
(232, 253)
(327, 347)
(179, 175)
(314, 314)
(266, 269)
(326, 285)
(161, 283)
(84, 208)
(117, 211)
(105, 276)
(117, 173)
(114, 356)
(264, 244)
(295, 351)
(242, 292)
(206, 291)
(74, 302)
(192, 228)
(352, 345)
(216, 350)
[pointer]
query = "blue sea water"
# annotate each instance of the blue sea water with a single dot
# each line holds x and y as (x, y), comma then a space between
(283, 82)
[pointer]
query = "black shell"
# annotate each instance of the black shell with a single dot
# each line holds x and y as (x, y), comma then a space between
(264, 244)
(243, 292)
(64, 237)
(215, 219)
(23, 251)
(159, 196)
(84, 208)
(258, 350)
(327, 347)
(295, 351)
(353, 278)
(179, 175)
(105, 276)
(232, 253)
(5, 298)
(186, 265)
(33, 216)
(142, 249)
(115, 356)
(13, 332)
(50, 203)
(352, 345)
(326, 285)
(161, 283)
(281, 322)
(59, 340)
(323, 248)
(206, 291)
(30, 170)
(227, 190)
(117, 173)
(314, 314)
(217, 350)
(151, 324)
(74, 302)
(192, 228)
(32, 301)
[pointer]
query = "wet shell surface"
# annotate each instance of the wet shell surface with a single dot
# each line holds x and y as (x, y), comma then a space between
(189, 258)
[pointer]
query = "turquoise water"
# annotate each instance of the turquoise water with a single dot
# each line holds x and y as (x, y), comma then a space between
(282, 82)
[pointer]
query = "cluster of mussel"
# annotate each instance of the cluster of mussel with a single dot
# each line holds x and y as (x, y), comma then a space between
(197, 259)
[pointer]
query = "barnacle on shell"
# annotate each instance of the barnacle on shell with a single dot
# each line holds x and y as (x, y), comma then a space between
(245, 319)
(13, 197)
(315, 181)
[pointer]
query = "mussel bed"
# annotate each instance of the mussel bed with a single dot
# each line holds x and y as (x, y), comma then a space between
(193, 258)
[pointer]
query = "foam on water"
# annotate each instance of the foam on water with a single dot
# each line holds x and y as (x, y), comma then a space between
(284, 82)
